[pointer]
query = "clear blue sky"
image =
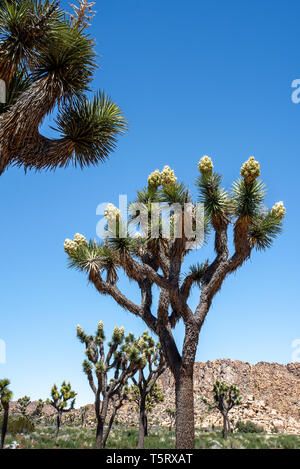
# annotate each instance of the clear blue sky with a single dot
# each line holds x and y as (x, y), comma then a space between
(192, 78)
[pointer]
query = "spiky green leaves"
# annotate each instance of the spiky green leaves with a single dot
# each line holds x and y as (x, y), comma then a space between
(61, 399)
(91, 129)
(5, 393)
(197, 271)
(264, 229)
(66, 63)
(217, 203)
(23, 404)
(226, 393)
(248, 198)
(24, 27)
(19, 83)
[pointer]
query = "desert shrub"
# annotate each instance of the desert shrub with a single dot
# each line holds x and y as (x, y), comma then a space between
(248, 427)
(19, 424)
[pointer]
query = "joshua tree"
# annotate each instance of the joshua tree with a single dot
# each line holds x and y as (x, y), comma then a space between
(38, 411)
(144, 408)
(124, 357)
(172, 415)
(47, 61)
(226, 396)
(83, 414)
(145, 391)
(5, 398)
(60, 400)
(155, 259)
(23, 404)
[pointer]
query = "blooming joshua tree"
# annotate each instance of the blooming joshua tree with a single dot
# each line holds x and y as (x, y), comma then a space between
(5, 398)
(156, 261)
(123, 358)
(63, 401)
(145, 391)
(47, 61)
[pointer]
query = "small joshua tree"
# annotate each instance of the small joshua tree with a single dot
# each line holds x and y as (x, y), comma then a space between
(145, 391)
(38, 411)
(23, 405)
(226, 396)
(155, 260)
(5, 398)
(152, 399)
(63, 401)
(124, 358)
(83, 414)
(172, 415)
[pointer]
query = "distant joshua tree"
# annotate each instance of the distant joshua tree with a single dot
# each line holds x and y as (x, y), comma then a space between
(145, 392)
(37, 414)
(123, 358)
(23, 405)
(5, 398)
(60, 400)
(226, 396)
(47, 61)
(83, 414)
(172, 416)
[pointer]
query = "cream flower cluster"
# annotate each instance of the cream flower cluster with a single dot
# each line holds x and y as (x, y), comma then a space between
(205, 165)
(71, 245)
(250, 170)
(165, 178)
(112, 213)
(118, 333)
(100, 326)
(168, 177)
(278, 210)
(154, 179)
(80, 240)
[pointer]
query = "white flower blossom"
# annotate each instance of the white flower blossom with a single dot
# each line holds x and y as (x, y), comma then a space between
(112, 213)
(205, 165)
(250, 170)
(154, 179)
(168, 177)
(69, 246)
(80, 240)
(278, 210)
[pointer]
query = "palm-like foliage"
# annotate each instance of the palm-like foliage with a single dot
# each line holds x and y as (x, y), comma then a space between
(215, 199)
(264, 228)
(248, 198)
(47, 60)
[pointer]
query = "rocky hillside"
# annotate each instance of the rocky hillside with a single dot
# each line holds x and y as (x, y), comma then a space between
(271, 396)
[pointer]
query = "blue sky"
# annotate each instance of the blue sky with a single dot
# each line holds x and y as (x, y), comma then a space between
(192, 78)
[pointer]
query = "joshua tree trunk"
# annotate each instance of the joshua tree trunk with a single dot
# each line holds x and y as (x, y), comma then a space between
(226, 425)
(99, 434)
(185, 431)
(142, 419)
(58, 422)
(4, 426)
(146, 425)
